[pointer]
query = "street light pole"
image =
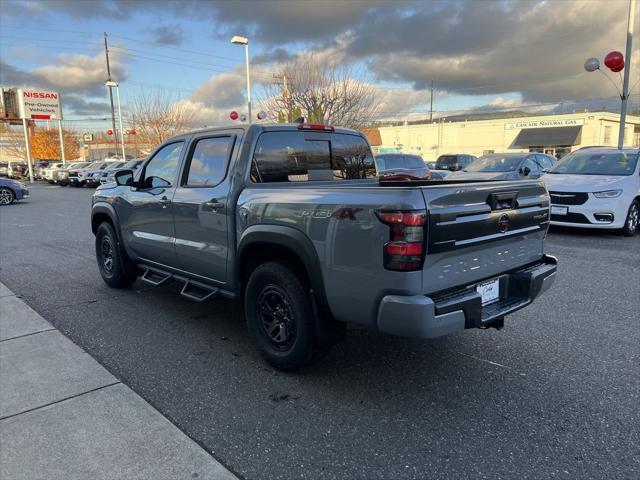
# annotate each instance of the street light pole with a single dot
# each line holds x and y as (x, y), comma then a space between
(117, 85)
(237, 40)
(625, 83)
(124, 157)
(113, 115)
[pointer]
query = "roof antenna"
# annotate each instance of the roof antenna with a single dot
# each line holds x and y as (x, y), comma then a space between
(299, 120)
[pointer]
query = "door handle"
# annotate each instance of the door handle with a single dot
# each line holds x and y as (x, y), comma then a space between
(164, 201)
(213, 205)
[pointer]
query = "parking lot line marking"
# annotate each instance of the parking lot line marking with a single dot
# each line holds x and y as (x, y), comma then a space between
(485, 360)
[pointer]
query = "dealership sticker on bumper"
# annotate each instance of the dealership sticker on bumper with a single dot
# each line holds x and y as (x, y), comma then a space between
(489, 291)
(556, 210)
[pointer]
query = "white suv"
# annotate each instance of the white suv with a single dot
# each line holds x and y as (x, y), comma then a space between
(596, 188)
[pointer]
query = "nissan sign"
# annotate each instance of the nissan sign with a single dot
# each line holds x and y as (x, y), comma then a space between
(39, 105)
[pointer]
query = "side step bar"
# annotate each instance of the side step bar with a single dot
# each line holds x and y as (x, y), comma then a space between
(191, 289)
(198, 291)
(155, 277)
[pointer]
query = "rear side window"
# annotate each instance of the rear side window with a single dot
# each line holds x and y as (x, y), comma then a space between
(208, 162)
(351, 157)
(296, 157)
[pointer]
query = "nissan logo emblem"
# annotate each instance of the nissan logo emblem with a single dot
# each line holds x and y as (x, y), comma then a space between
(503, 223)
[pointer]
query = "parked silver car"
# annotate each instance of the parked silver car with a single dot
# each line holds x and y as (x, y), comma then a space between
(506, 166)
(109, 172)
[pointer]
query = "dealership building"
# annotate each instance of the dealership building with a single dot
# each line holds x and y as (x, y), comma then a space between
(552, 134)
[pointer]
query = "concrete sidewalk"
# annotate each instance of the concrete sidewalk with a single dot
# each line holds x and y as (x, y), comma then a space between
(63, 416)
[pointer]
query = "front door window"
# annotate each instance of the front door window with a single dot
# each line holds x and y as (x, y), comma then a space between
(162, 169)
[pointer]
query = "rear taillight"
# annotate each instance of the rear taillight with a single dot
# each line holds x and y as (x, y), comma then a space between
(405, 249)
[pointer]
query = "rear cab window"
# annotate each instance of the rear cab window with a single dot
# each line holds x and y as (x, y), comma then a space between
(293, 156)
(207, 164)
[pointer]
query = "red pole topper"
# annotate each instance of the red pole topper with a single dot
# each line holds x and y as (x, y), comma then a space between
(109, 132)
(233, 115)
(614, 61)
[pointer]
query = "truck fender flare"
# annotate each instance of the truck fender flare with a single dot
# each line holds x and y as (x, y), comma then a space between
(294, 240)
(103, 208)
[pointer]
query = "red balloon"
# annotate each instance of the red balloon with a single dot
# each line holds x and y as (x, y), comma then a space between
(614, 61)
(233, 115)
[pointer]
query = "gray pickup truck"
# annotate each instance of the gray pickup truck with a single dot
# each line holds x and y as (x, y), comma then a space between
(292, 220)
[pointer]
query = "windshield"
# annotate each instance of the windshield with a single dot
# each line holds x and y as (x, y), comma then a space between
(413, 161)
(597, 163)
(395, 162)
(495, 163)
(94, 165)
(447, 161)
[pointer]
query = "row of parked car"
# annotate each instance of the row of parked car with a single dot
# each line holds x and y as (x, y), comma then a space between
(495, 166)
(91, 174)
(593, 187)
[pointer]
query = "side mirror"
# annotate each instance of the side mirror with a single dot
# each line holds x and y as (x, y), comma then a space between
(124, 178)
(525, 171)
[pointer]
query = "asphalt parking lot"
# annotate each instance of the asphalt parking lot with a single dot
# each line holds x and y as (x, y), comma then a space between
(555, 394)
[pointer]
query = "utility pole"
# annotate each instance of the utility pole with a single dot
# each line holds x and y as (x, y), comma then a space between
(431, 103)
(113, 113)
(627, 67)
(285, 96)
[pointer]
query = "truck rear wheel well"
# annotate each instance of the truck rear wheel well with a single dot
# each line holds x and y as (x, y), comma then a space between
(258, 253)
(99, 218)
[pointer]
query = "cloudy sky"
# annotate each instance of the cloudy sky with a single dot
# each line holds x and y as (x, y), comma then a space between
(482, 55)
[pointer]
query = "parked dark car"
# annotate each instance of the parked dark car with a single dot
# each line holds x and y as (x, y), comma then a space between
(454, 162)
(506, 166)
(401, 166)
(11, 191)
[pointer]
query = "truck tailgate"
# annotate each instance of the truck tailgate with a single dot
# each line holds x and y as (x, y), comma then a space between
(479, 230)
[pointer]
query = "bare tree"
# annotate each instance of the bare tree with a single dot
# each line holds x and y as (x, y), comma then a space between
(321, 92)
(158, 116)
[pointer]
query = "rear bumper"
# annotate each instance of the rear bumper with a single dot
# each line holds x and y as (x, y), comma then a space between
(448, 312)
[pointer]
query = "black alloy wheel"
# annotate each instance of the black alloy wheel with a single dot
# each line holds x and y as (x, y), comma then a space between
(107, 254)
(277, 319)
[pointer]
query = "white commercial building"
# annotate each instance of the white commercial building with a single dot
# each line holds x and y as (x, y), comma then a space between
(552, 134)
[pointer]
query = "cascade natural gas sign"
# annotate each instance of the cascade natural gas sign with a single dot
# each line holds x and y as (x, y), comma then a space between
(39, 105)
(567, 122)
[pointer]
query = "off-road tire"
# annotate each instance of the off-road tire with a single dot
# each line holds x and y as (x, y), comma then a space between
(275, 296)
(115, 267)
